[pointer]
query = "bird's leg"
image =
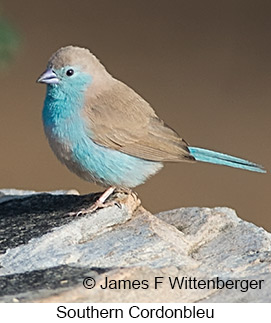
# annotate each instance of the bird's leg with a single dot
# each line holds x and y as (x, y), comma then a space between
(100, 203)
(106, 194)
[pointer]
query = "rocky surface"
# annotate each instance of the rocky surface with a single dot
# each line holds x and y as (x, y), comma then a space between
(46, 254)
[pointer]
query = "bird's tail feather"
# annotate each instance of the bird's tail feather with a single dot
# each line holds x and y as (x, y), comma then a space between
(209, 156)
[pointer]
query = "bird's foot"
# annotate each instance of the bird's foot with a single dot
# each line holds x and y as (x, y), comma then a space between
(127, 191)
(99, 204)
(102, 201)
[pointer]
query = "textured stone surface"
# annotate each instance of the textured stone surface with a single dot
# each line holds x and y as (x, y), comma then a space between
(45, 254)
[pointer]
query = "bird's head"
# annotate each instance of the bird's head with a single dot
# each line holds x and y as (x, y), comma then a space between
(73, 69)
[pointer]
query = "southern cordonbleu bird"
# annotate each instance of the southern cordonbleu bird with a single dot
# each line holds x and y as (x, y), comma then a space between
(105, 132)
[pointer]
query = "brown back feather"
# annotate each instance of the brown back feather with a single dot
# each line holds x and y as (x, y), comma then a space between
(118, 118)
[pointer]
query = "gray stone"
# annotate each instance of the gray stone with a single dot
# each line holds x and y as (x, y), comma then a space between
(7, 194)
(45, 253)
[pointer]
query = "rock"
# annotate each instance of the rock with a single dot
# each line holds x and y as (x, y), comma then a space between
(7, 194)
(46, 254)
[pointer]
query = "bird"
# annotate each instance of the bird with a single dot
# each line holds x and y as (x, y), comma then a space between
(105, 132)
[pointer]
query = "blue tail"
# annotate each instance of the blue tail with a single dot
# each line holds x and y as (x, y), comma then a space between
(209, 156)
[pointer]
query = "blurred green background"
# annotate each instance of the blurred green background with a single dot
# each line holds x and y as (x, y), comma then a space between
(203, 65)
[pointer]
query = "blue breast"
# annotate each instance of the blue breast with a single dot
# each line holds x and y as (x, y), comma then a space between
(72, 144)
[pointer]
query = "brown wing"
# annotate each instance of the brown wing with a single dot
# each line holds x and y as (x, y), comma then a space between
(120, 119)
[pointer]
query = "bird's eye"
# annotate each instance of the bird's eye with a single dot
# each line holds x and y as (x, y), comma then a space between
(70, 72)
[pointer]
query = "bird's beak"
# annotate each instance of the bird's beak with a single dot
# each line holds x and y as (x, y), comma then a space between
(48, 77)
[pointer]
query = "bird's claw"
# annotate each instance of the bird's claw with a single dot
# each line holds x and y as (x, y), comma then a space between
(118, 205)
(94, 207)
